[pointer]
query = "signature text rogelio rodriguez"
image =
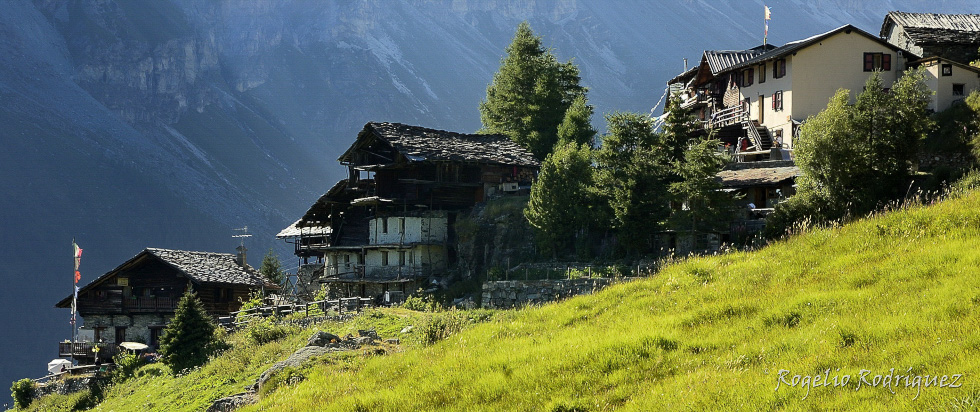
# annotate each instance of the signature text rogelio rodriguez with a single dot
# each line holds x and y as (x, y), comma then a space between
(864, 379)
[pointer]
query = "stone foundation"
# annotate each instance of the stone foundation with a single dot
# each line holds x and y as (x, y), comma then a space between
(516, 293)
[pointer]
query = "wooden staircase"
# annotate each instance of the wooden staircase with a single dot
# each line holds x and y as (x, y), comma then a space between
(758, 135)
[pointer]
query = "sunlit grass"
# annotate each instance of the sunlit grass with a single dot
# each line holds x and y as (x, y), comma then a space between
(900, 290)
(894, 291)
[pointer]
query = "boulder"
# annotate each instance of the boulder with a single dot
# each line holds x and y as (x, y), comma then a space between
(322, 339)
(232, 402)
(368, 334)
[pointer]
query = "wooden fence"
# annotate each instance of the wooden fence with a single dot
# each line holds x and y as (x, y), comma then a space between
(341, 306)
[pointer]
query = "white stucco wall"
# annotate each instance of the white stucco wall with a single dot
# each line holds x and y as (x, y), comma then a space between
(835, 63)
(943, 85)
(772, 119)
(429, 229)
(428, 258)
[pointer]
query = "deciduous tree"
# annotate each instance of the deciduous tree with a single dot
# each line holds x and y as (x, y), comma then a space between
(854, 158)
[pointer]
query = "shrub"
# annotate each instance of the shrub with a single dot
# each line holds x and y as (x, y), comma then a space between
(442, 325)
(126, 365)
(421, 302)
(265, 331)
(23, 392)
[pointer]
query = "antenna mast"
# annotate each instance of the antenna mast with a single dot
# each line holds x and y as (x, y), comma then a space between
(242, 236)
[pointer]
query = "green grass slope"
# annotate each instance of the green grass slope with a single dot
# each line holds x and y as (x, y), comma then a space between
(896, 291)
(896, 294)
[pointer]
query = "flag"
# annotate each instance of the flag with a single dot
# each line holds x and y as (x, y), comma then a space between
(765, 37)
(78, 260)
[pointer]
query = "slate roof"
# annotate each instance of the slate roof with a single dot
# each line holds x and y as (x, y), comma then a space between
(794, 46)
(419, 144)
(210, 267)
(721, 60)
(923, 23)
(199, 267)
(295, 230)
(757, 177)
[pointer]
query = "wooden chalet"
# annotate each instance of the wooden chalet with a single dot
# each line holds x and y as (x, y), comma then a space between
(135, 301)
(391, 221)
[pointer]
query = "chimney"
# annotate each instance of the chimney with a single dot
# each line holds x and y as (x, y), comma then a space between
(685, 65)
(240, 259)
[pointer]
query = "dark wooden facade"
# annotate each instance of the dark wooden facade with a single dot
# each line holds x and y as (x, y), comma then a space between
(149, 284)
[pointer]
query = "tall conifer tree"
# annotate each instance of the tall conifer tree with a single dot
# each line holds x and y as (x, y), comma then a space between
(530, 94)
(189, 338)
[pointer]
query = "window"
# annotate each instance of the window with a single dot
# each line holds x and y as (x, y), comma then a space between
(947, 70)
(777, 137)
(384, 258)
(401, 258)
(120, 334)
(155, 332)
(747, 77)
(877, 61)
(401, 225)
(360, 259)
(777, 101)
(958, 90)
(762, 73)
(384, 225)
(779, 68)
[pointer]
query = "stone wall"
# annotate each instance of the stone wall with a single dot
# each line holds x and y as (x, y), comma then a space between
(137, 326)
(514, 293)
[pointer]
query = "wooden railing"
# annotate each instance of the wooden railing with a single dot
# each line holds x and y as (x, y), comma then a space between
(728, 117)
(341, 306)
(85, 350)
(148, 304)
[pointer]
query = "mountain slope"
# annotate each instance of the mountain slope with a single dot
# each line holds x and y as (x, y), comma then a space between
(168, 123)
(891, 294)
(705, 333)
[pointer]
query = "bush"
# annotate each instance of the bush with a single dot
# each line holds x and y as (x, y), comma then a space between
(421, 302)
(23, 392)
(442, 325)
(126, 365)
(265, 331)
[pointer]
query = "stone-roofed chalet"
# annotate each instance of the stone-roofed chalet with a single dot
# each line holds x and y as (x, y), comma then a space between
(134, 301)
(391, 221)
(951, 36)
(755, 100)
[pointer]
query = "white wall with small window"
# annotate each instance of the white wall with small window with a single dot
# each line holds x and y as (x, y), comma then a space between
(391, 230)
(767, 99)
(414, 260)
(951, 81)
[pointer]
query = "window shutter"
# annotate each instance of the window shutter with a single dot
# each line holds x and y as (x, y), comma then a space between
(886, 62)
(869, 62)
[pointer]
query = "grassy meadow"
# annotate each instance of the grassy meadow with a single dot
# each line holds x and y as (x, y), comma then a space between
(894, 294)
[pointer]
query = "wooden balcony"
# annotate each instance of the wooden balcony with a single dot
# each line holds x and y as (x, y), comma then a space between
(121, 305)
(84, 350)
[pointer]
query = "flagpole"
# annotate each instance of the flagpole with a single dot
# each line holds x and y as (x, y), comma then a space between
(71, 349)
